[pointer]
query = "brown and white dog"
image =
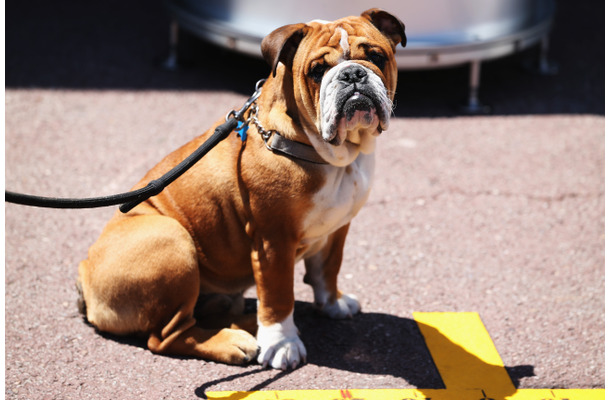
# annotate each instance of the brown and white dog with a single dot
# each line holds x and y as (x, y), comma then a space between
(244, 215)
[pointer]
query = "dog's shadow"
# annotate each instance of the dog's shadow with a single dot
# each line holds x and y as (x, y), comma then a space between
(372, 344)
(369, 343)
(380, 344)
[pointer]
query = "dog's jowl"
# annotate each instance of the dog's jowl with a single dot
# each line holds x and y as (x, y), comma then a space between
(175, 267)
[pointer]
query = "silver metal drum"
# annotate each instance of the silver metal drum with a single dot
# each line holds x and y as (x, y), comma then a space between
(440, 33)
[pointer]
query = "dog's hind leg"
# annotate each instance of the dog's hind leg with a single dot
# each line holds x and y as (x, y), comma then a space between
(225, 311)
(142, 277)
(231, 346)
(182, 336)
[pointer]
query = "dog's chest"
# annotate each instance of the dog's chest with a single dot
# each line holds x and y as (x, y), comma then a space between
(340, 198)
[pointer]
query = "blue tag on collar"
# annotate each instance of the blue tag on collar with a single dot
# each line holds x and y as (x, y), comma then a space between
(242, 130)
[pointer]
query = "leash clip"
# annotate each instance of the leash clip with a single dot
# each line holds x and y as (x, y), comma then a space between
(239, 115)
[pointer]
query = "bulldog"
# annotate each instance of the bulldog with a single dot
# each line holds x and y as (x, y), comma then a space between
(174, 269)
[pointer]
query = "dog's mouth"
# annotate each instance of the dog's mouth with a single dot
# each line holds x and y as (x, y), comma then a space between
(360, 114)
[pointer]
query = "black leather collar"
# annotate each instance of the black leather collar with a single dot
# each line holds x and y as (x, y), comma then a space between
(280, 144)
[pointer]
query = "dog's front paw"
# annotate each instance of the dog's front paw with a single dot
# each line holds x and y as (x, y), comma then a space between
(346, 306)
(280, 345)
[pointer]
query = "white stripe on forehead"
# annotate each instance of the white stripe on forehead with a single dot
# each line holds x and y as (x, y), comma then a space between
(344, 43)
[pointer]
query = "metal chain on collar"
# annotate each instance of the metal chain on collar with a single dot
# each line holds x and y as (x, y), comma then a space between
(253, 117)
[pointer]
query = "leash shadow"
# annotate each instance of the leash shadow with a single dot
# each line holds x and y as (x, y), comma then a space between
(200, 391)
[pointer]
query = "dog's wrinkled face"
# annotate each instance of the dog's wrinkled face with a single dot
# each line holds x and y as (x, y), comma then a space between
(344, 78)
(354, 106)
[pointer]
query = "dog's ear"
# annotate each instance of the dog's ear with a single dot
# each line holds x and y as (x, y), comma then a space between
(281, 45)
(387, 24)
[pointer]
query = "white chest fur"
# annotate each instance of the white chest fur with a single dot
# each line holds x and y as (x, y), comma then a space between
(339, 200)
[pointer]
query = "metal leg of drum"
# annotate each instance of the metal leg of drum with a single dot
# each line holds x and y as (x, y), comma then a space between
(171, 63)
(545, 66)
(474, 106)
(541, 66)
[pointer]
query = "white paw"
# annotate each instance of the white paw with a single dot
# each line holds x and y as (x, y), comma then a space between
(345, 307)
(280, 345)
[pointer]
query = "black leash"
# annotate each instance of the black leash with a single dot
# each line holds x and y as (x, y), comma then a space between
(129, 200)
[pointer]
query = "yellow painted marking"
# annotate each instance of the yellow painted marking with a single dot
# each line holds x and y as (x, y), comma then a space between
(466, 359)
(408, 394)
(463, 351)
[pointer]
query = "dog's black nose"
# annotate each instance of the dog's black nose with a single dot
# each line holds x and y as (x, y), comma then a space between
(353, 74)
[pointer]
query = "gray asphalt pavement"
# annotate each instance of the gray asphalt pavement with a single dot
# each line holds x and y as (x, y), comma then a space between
(499, 214)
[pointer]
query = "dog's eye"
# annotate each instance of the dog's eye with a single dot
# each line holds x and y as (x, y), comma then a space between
(317, 72)
(378, 59)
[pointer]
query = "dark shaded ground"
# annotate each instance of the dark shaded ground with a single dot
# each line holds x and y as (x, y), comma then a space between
(118, 45)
